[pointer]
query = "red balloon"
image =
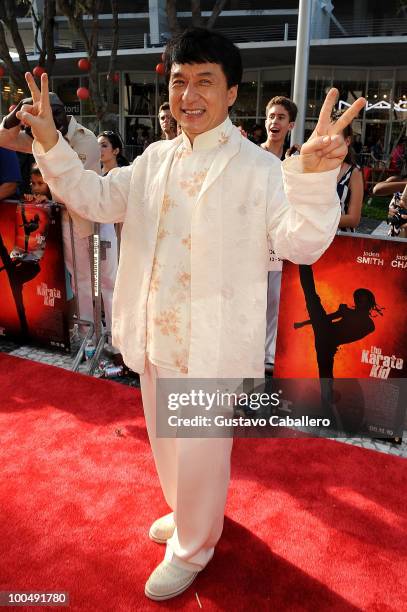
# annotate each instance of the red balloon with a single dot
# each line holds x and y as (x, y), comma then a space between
(115, 77)
(38, 71)
(160, 69)
(84, 64)
(83, 93)
(2, 71)
(12, 107)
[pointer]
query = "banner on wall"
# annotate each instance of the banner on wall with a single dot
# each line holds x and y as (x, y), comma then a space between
(33, 303)
(342, 321)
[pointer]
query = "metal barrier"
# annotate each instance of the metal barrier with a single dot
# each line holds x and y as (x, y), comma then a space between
(95, 327)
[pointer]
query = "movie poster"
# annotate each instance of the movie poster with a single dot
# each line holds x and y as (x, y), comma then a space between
(344, 318)
(33, 303)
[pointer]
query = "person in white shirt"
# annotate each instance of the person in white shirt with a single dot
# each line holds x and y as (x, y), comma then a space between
(190, 297)
(281, 113)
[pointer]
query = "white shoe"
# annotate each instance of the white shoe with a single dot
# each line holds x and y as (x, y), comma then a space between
(167, 581)
(162, 529)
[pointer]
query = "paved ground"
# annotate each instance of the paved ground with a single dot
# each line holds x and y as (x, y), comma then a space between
(368, 226)
(65, 360)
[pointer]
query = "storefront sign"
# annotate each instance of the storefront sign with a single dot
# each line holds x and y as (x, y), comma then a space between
(400, 106)
(73, 109)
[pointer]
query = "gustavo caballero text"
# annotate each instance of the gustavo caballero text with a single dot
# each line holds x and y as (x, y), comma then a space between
(226, 421)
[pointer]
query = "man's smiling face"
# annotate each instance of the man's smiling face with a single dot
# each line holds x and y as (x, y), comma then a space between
(278, 123)
(199, 97)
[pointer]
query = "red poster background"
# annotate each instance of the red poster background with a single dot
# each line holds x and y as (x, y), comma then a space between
(337, 275)
(46, 324)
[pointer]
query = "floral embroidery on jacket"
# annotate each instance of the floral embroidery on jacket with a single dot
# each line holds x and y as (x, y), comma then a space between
(187, 242)
(184, 279)
(168, 321)
(223, 139)
(162, 233)
(180, 360)
(182, 151)
(193, 185)
(155, 279)
(169, 299)
(167, 203)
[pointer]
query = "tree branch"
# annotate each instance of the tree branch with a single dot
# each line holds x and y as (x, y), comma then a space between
(48, 34)
(113, 55)
(74, 13)
(216, 11)
(15, 74)
(196, 13)
(8, 16)
(173, 23)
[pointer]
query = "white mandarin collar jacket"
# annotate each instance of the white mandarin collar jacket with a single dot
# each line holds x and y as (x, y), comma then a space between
(245, 197)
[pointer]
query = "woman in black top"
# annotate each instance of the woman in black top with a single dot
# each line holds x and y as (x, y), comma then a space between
(350, 188)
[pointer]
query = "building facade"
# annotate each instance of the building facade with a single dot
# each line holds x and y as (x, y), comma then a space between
(357, 46)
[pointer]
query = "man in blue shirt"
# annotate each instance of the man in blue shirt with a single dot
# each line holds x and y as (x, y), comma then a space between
(10, 174)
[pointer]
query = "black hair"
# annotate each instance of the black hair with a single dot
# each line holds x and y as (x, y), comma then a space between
(347, 132)
(286, 103)
(35, 169)
(164, 106)
(368, 296)
(115, 140)
(201, 45)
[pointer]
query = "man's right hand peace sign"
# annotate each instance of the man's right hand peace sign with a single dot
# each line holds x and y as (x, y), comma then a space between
(326, 148)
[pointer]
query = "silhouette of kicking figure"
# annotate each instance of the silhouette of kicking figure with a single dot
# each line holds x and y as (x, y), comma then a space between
(344, 326)
(19, 272)
(29, 226)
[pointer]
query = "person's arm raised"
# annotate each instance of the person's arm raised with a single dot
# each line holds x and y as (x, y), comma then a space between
(352, 217)
(82, 191)
(303, 217)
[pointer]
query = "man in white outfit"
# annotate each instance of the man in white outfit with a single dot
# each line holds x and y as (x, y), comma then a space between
(190, 296)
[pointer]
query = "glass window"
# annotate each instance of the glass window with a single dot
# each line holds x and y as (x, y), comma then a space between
(379, 93)
(65, 88)
(113, 103)
(319, 83)
(274, 82)
(10, 94)
(400, 95)
(139, 93)
(245, 105)
(351, 84)
(140, 132)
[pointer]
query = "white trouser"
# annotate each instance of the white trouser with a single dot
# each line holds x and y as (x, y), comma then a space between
(194, 475)
(108, 270)
(273, 302)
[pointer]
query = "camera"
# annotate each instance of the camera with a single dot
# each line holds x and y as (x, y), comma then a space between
(396, 219)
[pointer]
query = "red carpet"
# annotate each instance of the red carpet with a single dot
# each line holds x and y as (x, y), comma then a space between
(311, 524)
